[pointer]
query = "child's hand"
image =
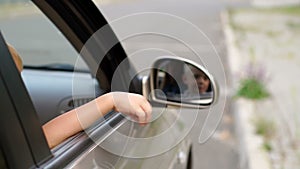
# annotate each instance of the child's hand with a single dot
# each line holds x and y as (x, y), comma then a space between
(134, 105)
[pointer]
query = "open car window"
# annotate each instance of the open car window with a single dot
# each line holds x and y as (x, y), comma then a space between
(49, 61)
(38, 41)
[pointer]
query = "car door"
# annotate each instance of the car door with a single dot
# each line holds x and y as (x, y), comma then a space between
(78, 20)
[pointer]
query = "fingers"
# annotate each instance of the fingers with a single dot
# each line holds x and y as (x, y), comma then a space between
(133, 105)
(141, 116)
(142, 110)
(147, 108)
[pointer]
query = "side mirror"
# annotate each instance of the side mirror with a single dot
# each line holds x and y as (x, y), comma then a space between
(181, 82)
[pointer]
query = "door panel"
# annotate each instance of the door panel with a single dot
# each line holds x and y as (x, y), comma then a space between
(102, 156)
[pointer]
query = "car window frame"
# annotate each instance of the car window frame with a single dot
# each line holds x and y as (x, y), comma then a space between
(78, 21)
(22, 140)
(72, 151)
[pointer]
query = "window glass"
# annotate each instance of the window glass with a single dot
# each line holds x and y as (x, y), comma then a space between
(37, 40)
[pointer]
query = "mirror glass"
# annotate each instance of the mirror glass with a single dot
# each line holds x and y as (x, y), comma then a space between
(181, 82)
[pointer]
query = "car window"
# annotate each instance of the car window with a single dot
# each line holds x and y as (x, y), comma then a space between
(37, 40)
(41, 45)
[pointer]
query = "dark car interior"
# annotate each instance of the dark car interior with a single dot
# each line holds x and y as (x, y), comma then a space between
(52, 99)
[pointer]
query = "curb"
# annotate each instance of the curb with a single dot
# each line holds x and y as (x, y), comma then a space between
(251, 154)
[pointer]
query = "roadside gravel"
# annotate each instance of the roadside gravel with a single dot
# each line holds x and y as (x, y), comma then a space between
(269, 39)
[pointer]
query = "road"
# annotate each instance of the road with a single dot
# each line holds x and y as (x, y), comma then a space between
(198, 36)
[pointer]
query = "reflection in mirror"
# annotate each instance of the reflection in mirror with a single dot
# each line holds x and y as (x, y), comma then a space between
(182, 82)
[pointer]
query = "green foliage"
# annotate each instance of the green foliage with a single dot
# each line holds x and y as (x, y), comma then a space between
(252, 89)
(272, 34)
(290, 10)
(265, 127)
(293, 25)
(267, 146)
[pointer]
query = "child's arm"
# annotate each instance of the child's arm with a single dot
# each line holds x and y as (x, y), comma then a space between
(70, 123)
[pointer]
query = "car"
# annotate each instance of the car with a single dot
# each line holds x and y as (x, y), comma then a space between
(47, 90)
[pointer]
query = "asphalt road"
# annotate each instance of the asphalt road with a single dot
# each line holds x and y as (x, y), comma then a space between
(196, 34)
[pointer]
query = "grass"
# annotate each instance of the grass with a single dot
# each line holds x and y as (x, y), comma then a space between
(252, 89)
(264, 127)
(272, 34)
(293, 25)
(288, 10)
(267, 146)
(267, 129)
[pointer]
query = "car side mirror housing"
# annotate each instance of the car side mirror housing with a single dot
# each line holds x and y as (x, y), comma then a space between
(180, 82)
